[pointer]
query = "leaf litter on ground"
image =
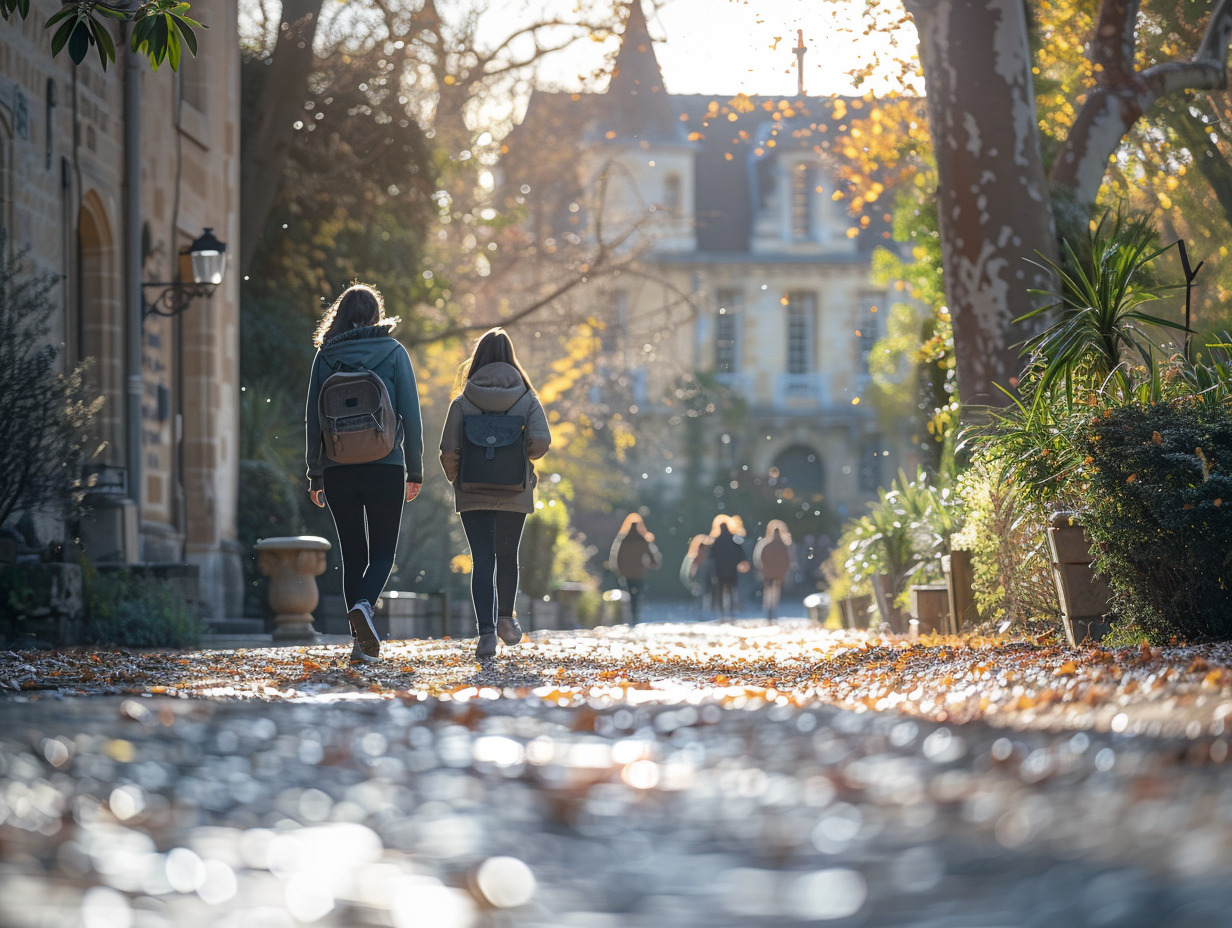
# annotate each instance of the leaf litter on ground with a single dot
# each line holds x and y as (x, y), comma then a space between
(1018, 683)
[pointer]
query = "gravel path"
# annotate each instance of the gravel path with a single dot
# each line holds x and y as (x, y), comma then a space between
(521, 797)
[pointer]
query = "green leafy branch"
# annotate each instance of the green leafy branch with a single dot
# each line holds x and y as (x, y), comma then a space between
(161, 29)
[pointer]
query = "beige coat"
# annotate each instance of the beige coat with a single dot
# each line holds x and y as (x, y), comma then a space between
(495, 388)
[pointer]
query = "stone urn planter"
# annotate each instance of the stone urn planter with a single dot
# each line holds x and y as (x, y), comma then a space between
(1084, 595)
(292, 564)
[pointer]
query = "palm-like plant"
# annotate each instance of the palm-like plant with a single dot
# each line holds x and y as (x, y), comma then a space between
(1100, 298)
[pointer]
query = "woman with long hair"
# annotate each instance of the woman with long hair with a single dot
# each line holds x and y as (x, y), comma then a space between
(772, 556)
(364, 499)
(633, 555)
(493, 381)
(695, 570)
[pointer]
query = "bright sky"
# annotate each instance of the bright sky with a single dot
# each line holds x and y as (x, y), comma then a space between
(725, 47)
(733, 46)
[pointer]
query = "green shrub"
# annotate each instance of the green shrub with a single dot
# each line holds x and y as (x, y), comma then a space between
(551, 552)
(130, 610)
(904, 535)
(1159, 477)
(40, 603)
(1005, 533)
(268, 507)
(588, 608)
(45, 435)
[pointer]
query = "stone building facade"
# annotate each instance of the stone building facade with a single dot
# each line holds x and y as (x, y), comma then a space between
(746, 271)
(106, 177)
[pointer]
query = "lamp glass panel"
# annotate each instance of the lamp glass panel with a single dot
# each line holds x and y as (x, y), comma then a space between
(207, 266)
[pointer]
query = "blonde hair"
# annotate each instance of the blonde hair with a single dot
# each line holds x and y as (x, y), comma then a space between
(734, 524)
(359, 305)
(696, 543)
(631, 520)
(782, 530)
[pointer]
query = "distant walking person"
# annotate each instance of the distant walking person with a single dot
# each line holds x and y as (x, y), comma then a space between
(364, 447)
(728, 561)
(695, 570)
(634, 555)
(496, 407)
(772, 556)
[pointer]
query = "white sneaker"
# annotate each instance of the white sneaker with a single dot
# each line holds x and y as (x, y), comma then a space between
(367, 643)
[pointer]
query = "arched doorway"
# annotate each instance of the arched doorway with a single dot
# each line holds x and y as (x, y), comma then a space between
(100, 323)
(798, 469)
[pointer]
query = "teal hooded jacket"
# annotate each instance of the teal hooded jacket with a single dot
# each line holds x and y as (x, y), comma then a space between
(370, 347)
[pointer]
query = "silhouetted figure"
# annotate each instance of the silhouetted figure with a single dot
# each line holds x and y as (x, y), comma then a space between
(772, 556)
(728, 561)
(696, 570)
(633, 555)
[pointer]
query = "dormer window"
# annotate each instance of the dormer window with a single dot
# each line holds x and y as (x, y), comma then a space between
(672, 193)
(803, 182)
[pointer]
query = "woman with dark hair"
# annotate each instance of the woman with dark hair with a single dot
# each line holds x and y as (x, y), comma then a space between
(728, 561)
(365, 499)
(492, 381)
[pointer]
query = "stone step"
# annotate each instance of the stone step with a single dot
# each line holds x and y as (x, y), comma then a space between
(235, 627)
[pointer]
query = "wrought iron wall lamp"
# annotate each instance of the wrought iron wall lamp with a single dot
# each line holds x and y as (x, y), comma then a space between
(201, 270)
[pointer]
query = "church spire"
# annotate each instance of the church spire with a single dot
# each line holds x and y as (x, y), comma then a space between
(638, 104)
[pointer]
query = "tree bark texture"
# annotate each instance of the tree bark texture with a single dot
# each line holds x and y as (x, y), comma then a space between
(992, 195)
(265, 148)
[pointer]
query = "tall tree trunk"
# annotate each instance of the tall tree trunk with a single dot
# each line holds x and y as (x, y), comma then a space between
(992, 195)
(264, 149)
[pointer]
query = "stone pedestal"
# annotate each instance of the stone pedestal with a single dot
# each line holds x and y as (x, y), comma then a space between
(292, 565)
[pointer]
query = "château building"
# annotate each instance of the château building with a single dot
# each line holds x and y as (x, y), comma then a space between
(748, 274)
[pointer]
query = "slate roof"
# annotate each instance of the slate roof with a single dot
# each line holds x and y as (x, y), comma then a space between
(728, 136)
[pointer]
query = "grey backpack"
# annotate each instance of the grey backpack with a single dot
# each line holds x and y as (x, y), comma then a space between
(358, 423)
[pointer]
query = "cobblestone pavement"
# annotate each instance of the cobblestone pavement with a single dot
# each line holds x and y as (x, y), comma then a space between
(494, 806)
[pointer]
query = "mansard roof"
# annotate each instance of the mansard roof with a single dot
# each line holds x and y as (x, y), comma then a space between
(735, 142)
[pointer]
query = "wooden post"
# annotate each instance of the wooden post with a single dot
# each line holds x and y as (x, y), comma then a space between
(958, 580)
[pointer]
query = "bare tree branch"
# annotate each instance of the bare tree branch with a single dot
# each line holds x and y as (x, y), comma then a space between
(1123, 96)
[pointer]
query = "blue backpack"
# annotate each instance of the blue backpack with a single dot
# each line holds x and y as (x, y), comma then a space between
(493, 452)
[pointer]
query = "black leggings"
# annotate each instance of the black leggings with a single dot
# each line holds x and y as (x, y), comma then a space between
(494, 537)
(366, 503)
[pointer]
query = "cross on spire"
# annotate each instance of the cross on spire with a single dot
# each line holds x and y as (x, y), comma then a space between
(799, 51)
